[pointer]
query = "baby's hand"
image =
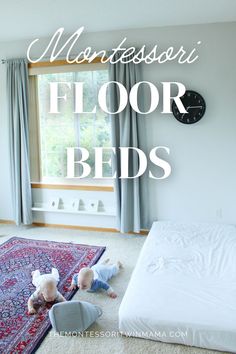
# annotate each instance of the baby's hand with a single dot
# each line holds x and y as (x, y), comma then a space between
(32, 311)
(113, 295)
(72, 287)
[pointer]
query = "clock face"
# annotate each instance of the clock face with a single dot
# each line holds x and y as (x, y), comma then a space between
(194, 104)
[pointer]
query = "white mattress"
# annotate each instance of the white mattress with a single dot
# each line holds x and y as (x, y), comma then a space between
(183, 288)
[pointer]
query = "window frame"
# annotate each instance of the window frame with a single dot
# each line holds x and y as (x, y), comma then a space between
(59, 66)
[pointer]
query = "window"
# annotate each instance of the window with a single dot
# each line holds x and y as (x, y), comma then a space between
(67, 129)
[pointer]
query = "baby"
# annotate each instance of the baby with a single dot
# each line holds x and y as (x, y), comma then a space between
(96, 277)
(46, 289)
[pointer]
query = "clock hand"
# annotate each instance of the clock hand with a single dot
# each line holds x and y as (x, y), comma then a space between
(186, 110)
(190, 107)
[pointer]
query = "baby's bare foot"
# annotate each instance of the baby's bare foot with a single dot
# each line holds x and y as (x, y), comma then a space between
(106, 261)
(120, 265)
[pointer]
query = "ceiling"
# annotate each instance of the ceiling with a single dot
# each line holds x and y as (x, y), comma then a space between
(21, 19)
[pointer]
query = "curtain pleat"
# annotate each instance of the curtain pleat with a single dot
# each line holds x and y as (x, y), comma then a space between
(124, 127)
(17, 94)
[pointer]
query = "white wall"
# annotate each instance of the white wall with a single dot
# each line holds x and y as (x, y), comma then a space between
(202, 184)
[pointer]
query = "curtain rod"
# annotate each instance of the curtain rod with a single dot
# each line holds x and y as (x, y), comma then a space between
(59, 62)
(3, 61)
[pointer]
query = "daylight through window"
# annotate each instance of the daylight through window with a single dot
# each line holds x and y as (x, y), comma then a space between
(67, 129)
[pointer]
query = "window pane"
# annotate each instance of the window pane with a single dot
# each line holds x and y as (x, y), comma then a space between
(67, 129)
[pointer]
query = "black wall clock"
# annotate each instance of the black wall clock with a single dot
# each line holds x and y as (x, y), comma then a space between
(194, 104)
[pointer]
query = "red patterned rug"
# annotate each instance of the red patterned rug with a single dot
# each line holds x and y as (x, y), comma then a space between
(20, 332)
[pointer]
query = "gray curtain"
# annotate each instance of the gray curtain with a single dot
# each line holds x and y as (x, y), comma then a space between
(17, 95)
(125, 134)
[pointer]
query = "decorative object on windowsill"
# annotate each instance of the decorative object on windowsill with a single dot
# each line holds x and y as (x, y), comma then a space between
(75, 204)
(54, 203)
(92, 205)
(101, 207)
(81, 205)
(195, 106)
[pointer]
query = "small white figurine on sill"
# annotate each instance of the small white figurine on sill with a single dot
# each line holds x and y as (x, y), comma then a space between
(96, 277)
(46, 289)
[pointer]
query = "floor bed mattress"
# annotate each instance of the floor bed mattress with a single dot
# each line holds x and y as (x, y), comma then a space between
(183, 288)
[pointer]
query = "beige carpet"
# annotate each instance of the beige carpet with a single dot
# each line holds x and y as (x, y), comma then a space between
(126, 248)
